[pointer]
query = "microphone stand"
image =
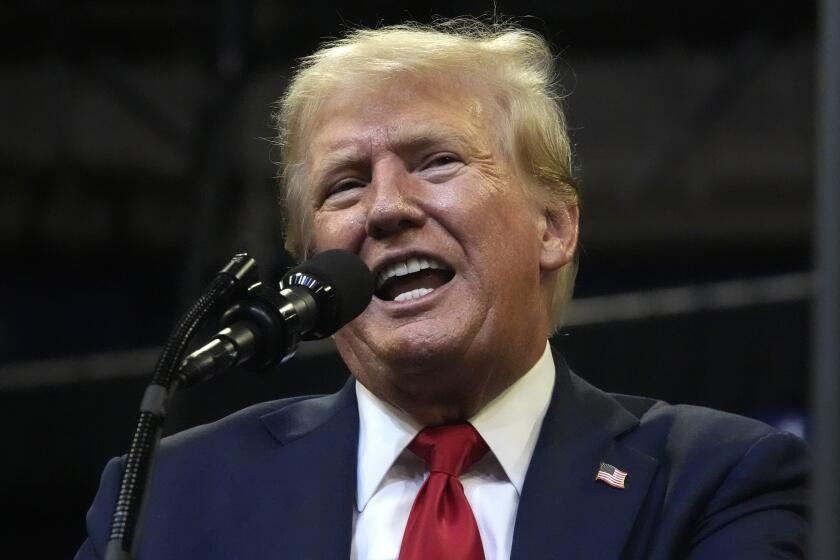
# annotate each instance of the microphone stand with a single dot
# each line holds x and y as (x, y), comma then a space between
(234, 278)
(262, 328)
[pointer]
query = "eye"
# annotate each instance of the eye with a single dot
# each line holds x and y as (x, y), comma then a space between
(441, 160)
(342, 193)
(344, 186)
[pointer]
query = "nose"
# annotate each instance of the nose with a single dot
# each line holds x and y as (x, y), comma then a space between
(393, 205)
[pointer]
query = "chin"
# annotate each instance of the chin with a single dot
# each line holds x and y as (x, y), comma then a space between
(411, 348)
(424, 349)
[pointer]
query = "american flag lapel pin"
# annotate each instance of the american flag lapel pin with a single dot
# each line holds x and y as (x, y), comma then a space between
(611, 475)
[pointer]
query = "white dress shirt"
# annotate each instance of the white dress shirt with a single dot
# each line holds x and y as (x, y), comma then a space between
(389, 476)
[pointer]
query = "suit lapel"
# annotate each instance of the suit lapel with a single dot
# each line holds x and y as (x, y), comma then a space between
(563, 511)
(315, 461)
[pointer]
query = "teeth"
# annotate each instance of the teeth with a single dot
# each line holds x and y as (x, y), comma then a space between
(413, 294)
(408, 266)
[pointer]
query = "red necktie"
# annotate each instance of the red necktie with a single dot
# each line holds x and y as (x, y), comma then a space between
(441, 525)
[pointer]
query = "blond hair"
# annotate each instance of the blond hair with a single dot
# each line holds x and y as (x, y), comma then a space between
(514, 64)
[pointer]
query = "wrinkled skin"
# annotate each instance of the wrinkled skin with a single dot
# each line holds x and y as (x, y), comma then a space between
(417, 168)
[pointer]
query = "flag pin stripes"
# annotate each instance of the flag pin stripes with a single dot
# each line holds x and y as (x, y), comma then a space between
(611, 475)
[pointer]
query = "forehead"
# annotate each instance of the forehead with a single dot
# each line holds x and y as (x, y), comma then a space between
(403, 110)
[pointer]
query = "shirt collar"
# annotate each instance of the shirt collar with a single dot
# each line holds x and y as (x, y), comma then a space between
(384, 431)
(510, 424)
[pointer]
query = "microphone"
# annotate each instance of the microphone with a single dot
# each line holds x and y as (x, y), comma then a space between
(262, 330)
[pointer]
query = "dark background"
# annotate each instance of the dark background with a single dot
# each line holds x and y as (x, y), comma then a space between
(134, 162)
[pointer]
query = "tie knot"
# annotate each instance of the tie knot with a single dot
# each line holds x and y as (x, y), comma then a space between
(450, 449)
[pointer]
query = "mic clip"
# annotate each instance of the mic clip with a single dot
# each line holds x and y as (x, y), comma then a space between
(255, 329)
(264, 327)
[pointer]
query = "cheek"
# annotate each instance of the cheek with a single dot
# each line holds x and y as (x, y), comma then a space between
(462, 205)
(504, 232)
(484, 217)
(337, 230)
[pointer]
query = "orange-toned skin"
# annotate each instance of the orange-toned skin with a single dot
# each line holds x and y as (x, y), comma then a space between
(418, 168)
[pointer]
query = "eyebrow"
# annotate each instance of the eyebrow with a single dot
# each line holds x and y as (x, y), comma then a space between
(348, 152)
(349, 156)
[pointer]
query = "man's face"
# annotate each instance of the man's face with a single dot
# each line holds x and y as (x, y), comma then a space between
(411, 177)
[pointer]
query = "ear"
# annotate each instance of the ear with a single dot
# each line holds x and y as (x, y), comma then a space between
(559, 237)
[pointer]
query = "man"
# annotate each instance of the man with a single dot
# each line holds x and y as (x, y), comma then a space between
(440, 156)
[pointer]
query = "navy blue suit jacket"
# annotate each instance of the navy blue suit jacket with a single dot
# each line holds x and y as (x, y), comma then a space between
(278, 480)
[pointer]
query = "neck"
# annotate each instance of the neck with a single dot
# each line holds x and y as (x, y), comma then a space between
(450, 395)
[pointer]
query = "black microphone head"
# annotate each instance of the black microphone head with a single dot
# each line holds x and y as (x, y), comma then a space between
(343, 288)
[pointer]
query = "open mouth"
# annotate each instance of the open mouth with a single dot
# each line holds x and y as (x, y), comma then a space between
(411, 278)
